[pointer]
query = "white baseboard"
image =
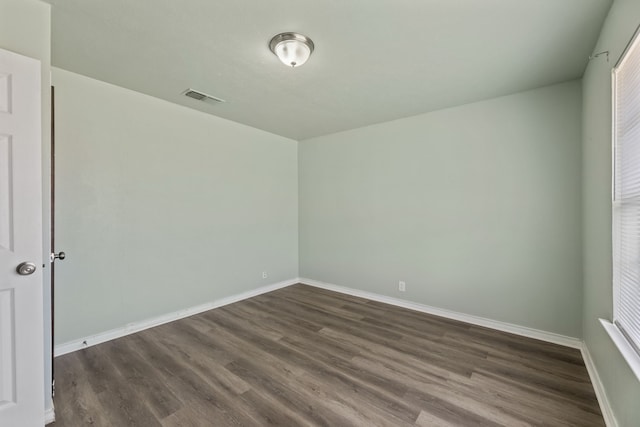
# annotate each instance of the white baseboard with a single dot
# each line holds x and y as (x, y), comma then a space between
(131, 328)
(598, 387)
(49, 415)
(551, 337)
(449, 314)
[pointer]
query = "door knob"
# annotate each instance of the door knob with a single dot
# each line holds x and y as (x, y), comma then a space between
(26, 268)
(60, 255)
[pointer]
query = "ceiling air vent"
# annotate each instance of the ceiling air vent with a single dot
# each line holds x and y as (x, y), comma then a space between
(202, 97)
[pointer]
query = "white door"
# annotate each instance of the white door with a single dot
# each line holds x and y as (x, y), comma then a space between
(21, 306)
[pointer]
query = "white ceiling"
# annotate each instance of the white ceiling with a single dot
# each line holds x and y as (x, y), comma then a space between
(375, 60)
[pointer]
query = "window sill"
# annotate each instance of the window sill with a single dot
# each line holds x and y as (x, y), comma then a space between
(630, 355)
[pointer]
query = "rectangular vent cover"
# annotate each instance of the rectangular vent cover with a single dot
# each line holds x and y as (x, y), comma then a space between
(202, 96)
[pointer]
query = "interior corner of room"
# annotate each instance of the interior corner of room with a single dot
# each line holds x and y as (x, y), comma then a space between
(495, 212)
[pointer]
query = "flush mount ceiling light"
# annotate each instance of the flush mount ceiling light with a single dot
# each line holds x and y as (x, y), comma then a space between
(292, 49)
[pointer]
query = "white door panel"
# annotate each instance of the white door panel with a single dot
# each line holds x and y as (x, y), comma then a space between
(21, 306)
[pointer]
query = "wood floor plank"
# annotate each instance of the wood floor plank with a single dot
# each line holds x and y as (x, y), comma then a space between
(303, 356)
(373, 391)
(144, 379)
(353, 402)
(539, 382)
(76, 402)
(525, 401)
(206, 364)
(119, 401)
(427, 419)
(285, 394)
(203, 395)
(449, 396)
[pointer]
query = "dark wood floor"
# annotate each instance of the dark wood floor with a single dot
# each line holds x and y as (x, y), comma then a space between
(302, 356)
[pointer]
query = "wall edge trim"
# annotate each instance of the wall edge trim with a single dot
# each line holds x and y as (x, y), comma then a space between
(550, 337)
(49, 416)
(598, 387)
(134, 327)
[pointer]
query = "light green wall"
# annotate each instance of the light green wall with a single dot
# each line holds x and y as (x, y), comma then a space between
(25, 28)
(160, 207)
(622, 388)
(476, 208)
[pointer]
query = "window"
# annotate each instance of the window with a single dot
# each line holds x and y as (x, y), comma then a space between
(626, 204)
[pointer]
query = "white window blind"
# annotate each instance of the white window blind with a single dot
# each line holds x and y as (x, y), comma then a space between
(626, 194)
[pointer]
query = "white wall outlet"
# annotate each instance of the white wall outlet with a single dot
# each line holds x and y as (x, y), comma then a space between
(264, 275)
(402, 286)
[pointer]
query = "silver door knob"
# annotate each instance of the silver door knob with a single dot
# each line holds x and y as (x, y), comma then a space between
(26, 268)
(60, 255)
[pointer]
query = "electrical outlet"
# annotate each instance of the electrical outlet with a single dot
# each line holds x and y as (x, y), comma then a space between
(402, 286)
(264, 275)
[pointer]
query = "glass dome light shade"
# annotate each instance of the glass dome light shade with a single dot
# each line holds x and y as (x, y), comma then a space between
(291, 48)
(293, 53)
